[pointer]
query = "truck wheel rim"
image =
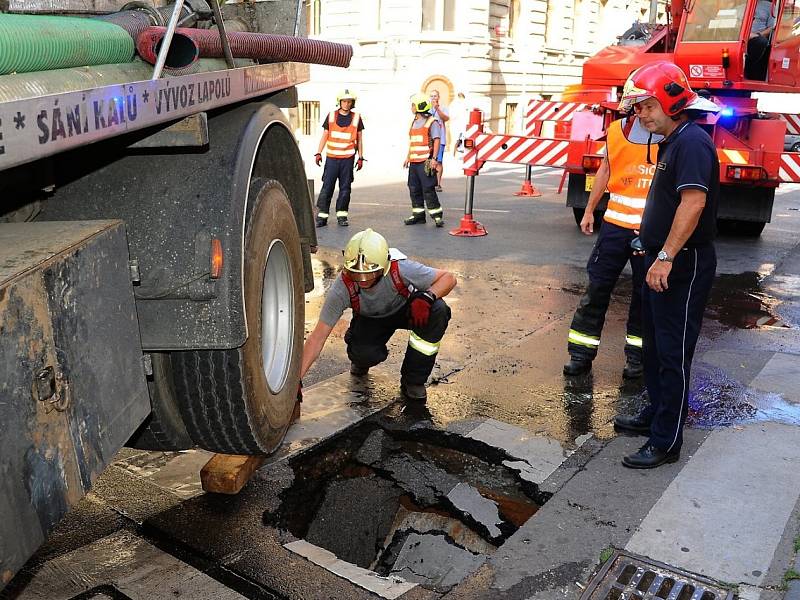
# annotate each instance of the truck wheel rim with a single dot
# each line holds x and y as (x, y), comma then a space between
(277, 317)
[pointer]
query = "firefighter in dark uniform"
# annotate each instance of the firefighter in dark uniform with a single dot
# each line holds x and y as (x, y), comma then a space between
(626, 174)
(677, 233)
(424, 139)
(341, 139)
(385, 294)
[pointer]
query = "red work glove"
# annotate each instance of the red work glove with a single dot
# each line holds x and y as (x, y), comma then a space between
(318, 159)
(419, 307)
(360, 164)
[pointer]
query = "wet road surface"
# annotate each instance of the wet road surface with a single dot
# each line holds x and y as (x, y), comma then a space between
(442, 483)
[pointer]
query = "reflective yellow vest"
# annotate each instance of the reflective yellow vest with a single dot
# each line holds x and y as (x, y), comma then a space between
(341, 141)
(419, 141)
(629, 180)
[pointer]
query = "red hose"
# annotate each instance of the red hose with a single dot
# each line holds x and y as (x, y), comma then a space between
(183, 50)
(259, 46)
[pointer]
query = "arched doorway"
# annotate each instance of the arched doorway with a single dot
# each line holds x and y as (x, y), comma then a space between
(446, 96)
(443, 85)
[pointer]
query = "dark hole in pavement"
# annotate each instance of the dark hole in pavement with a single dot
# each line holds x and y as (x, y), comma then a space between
(427, 507)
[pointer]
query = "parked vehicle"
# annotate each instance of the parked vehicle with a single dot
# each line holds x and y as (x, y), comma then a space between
(155, 234)
(712, 52)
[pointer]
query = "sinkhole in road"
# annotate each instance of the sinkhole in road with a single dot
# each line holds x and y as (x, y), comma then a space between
(424, 506)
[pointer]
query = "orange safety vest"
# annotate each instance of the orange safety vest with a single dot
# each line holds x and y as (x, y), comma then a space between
(629, 180)
(419, 141)
(341, 141)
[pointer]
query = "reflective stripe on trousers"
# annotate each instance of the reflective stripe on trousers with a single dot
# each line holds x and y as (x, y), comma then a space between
(420, 345)
(582, 339)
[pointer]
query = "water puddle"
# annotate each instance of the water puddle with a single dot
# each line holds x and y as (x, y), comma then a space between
(738, 301)
(717, 400)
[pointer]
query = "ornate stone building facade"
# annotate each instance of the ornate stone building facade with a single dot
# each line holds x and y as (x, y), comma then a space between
(497, 53)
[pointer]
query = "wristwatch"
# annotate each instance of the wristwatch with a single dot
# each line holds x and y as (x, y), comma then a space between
(664, 257)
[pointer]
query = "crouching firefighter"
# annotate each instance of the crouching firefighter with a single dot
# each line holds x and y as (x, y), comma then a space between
(627, 173)
(385, 295)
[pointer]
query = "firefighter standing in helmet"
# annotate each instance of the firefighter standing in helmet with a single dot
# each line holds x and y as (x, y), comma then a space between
(385, 295)
(627, 175)
(424, 139)
(341, 139)
(677, 234)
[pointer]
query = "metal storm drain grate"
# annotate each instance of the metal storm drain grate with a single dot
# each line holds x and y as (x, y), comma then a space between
(629, 577)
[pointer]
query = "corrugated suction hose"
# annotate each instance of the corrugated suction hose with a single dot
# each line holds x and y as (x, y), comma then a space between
(31, 43)
(259, 46)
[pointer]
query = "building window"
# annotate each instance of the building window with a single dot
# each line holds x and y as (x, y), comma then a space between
(438, 15)
(513, 17)
(309, 116)
(555, 24)
(578, 25)
(789, 26)
(313, 17)
(511, 117)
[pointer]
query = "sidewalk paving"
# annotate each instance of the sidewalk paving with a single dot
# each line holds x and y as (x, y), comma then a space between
(728, 510)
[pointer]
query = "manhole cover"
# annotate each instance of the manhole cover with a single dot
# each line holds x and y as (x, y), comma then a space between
(630, 577)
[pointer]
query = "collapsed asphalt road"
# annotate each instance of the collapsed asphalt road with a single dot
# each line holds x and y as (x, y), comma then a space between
(507, 484)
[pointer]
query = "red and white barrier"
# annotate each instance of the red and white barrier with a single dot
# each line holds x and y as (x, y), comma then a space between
(789, 171)
(792, 123)
(521, 150)
(544, 110)
(470, 158)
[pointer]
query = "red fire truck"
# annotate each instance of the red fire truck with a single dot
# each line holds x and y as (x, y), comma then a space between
(708, 39)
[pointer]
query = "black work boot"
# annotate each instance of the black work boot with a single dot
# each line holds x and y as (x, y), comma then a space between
(358, 370)
(577, 366)
(649, 457)
(632, 424)
(633, 369)
(342, 221)
(413, 391)
(439, 221)
(415, 219)
(322, 221)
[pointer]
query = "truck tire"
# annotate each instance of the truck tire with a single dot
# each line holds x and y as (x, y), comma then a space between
(739, 228)
(163, 429)
(241, 401)
(578, 197)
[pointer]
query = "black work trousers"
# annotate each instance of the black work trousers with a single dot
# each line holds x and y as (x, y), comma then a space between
(367, 337)
(341, 170)
(422, 188)
(671, 326)
(611, 252)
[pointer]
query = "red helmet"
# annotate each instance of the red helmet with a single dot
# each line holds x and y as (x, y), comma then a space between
(665, 82)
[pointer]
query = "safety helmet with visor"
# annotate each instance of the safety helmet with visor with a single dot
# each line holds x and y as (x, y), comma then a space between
(345, 94)
(668, 84)
(421, 103)
(366, 256)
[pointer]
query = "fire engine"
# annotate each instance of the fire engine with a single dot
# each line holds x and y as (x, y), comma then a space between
(708, 39)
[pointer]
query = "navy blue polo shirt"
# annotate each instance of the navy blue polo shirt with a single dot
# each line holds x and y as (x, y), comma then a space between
(687, 159)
